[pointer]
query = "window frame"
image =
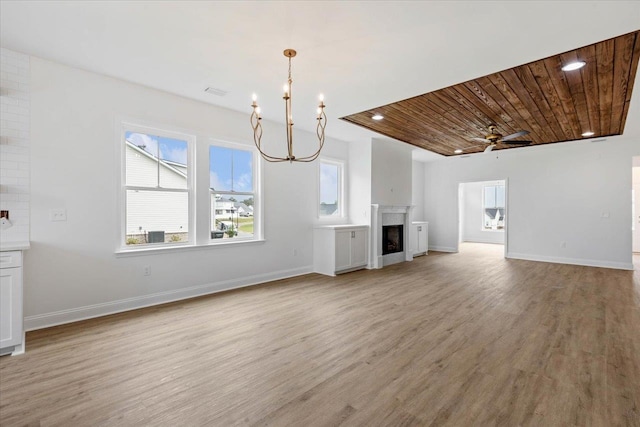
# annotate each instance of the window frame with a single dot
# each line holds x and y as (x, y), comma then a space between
(341, 185)
(161, 131)
(256, 193)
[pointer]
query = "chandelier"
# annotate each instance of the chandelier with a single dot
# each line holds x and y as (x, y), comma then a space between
(257, 126)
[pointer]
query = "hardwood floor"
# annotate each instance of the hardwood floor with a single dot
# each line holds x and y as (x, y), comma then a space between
(448, 339)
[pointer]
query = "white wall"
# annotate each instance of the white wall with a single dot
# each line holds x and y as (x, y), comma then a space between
(71, 271)
(360, 182)
(417, 190)
(472, 215)
(586, 184)
(636, 219)
(391, 172)
(14, 144)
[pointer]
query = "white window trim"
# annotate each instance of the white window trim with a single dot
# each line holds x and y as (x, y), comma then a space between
(258, 220)
(341, 186)
(124, 127)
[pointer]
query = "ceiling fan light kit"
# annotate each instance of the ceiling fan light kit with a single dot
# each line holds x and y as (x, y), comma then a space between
(257, 125)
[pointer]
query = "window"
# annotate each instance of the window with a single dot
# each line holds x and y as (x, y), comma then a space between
(157, 188)
(493, 207)
(330, 203)
(232, 193)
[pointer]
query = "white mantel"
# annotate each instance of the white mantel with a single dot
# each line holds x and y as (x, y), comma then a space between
(378, 212)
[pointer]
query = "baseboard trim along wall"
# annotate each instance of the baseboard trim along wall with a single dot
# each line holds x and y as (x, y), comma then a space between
(442, 249)
(572, 261)
(47, 320)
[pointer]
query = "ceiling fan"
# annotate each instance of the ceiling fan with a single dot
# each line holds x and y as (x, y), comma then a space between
(494, 137)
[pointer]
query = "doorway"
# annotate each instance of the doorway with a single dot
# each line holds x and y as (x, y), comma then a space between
(483, 213)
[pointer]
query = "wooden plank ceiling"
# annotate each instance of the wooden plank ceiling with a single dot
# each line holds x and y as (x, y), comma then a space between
(553, 105)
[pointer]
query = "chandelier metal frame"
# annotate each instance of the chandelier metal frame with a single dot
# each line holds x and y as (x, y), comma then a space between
(257, 125)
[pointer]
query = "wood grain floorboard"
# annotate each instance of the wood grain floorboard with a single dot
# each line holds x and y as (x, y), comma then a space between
(467, 339)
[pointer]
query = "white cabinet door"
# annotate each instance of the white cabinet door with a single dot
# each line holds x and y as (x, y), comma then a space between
(414, 239)
(343, 249)
(421, 233)
(10, 307)
(358, 247)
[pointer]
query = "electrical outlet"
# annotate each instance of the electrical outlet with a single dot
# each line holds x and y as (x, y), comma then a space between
(58, 214)
(146, 270)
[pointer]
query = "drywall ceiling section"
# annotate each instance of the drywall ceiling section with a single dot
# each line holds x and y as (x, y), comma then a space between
(359, 54)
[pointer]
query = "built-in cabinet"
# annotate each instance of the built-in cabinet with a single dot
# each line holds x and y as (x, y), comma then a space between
(340, 248)
(11, 328)
(419, 237)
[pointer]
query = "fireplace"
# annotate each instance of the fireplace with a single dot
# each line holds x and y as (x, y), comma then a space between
(389, 232)
(392, 239)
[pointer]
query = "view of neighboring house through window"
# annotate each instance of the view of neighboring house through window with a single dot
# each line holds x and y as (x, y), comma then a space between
(493, 207)
(232, 192)
(156, 189)
(330, 188)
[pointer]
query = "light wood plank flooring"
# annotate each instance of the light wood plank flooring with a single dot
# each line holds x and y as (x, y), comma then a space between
(448, 339)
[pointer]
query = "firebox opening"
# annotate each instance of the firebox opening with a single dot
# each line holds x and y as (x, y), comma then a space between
(392, 240)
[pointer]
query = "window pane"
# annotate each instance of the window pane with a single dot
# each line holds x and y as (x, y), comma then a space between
(500, 196)
(490, 197)
(149, 157)
(141, 160)
(231, 216)
(157, 217)
(173, 163)
(230, 169)
(242, 171)
(329, 189)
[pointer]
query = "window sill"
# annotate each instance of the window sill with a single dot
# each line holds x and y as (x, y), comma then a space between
(169, 249)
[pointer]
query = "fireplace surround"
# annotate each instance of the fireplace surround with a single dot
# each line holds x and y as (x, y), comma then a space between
(398, 221)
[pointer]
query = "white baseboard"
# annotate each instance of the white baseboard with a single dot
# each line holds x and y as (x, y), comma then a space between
(480, 240)
(442, 249)
(572, 261)
(46, 320)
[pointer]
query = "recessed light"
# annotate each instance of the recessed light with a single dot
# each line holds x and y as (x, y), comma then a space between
(574, 66)
(458, 151)
(377, 117)
(588, 133)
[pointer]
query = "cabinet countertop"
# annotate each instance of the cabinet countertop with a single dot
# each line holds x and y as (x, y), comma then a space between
(18, 245)
(338, 227)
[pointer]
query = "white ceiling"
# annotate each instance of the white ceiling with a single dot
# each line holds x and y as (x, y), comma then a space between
(360, 54)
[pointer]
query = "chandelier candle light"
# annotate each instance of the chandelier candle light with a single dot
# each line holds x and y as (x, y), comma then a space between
(257, 126)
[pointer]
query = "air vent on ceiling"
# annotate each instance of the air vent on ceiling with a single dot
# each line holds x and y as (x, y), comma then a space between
(216, 91)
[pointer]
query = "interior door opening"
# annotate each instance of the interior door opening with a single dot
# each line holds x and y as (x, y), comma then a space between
(482, 213)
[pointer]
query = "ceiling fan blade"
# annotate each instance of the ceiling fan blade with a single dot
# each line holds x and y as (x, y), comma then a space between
(515, 135)
(480, 139)
(489, 148)
(516, 142)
